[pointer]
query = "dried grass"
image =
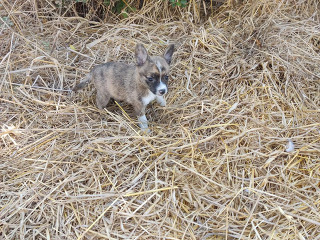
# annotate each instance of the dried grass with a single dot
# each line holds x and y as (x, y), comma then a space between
(215, 165)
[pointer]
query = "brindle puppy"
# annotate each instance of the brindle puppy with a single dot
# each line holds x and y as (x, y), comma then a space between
(137, 84)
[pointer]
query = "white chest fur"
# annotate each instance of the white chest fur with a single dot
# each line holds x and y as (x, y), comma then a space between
(148, 98)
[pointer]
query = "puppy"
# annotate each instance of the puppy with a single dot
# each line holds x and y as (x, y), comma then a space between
(137, 84)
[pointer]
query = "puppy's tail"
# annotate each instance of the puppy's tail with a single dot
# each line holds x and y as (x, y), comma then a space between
(83, 83)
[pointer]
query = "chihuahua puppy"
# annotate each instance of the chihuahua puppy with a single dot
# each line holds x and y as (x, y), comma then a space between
(137, 84)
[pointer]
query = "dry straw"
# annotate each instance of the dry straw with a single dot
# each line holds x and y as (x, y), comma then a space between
(245, 80)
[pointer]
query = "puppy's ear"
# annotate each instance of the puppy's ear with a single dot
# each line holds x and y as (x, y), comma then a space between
(141, 54)
(168, 53)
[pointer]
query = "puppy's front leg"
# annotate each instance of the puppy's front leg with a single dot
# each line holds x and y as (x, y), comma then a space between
(143, 123)
(140, 112)
(161, 101)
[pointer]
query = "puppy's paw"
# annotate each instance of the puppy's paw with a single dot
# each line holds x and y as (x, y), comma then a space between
(161, 101)
(143, 124)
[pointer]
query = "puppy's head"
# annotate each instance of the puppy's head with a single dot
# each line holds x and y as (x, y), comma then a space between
(154, 70)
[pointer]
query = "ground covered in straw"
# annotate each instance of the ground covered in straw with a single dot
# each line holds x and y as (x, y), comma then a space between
(243, 83)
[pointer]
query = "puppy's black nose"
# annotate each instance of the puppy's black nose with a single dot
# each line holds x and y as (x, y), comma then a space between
(162, 91)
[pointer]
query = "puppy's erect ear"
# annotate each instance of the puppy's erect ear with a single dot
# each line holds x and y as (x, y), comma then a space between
(168, 53)
(141, 54)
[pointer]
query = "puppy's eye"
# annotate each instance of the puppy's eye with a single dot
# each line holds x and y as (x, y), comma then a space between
(150, 79)
(166, 77)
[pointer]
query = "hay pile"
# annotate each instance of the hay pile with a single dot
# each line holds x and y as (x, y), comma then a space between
(243, 83)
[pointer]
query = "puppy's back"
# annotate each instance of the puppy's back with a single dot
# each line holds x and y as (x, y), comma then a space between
(115, 78)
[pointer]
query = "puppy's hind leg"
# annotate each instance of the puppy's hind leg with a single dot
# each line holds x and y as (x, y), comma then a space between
(102, 99)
